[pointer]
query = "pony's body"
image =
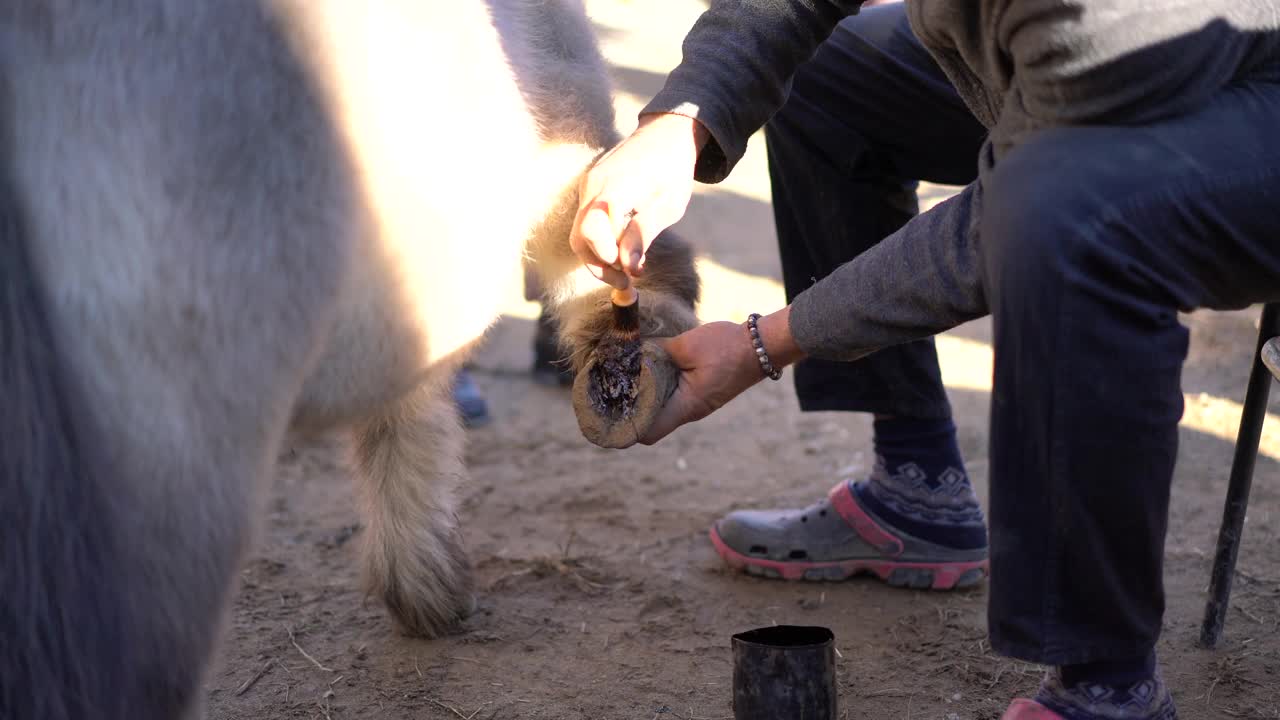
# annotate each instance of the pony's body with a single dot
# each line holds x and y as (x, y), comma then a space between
(227, 221)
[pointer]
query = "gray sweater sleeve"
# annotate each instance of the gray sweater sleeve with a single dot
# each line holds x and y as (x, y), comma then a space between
(919, 281)
(738, 62)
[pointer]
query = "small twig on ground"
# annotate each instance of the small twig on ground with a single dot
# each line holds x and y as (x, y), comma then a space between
(568, 544)
(254, 680)
(566, 567)
(314, 661)
(450, 708)
(455, 710)
(1250, 615)
(1255, 579)
(887, 692)
(510, 576)
(995, 679)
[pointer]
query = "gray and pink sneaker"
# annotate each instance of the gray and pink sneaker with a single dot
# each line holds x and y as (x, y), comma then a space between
(1023, 709)
(836, 538)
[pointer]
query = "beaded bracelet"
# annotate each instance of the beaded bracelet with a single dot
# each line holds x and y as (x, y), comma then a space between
(765, 366)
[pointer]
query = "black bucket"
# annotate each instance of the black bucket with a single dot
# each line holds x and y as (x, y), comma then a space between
(785, 672)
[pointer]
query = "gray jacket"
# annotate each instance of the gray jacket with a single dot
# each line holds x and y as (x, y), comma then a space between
(1020, 66)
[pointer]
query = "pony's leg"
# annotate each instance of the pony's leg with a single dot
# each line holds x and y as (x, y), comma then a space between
(669, 291)
(409, 461)
(134, 456)
(183, 289)
(124, 517)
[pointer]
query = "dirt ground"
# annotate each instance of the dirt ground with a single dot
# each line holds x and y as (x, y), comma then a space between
(600, 594)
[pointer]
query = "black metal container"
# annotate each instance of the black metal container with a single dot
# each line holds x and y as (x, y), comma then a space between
(785, 672)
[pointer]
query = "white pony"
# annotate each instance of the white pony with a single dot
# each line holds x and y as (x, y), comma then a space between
(222, 222)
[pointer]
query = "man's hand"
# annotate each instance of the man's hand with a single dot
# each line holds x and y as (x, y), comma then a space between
(635, 191)
(717, 363)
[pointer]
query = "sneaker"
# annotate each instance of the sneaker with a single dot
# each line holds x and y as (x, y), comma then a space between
(1023, 709)
(837, 538)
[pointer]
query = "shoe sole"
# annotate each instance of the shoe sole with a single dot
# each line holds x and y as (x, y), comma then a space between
(917, 575)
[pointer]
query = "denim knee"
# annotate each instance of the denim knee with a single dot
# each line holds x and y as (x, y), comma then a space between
(1038, 209)
(1085, 212)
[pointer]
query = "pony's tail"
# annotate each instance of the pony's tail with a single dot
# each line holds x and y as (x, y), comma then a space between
(63, 615)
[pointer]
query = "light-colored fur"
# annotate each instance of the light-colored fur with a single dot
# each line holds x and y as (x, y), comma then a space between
(255, 217)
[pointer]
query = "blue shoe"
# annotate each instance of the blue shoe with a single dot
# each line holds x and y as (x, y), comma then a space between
(471, 405)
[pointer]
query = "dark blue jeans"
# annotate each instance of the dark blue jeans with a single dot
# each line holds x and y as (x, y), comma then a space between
(1091, 238)
(869, 116)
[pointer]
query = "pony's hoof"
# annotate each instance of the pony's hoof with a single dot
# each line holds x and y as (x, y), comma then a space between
(432, 601)
(432, 618)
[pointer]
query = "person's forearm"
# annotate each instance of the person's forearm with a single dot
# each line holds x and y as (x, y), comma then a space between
(923, 279)
(775, 335)
(737, 67)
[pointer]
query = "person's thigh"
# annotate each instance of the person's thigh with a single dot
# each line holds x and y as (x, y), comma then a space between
(1187, 208)
(873, 103)
(1093, 239)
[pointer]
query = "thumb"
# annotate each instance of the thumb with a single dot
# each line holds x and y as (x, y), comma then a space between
(676, 411)
(677, 349)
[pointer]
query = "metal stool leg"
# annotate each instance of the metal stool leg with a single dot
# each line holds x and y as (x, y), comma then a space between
(1237, 504)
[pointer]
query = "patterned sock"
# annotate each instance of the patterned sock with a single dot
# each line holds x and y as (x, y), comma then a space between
(919, 485)
(1116, 690)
